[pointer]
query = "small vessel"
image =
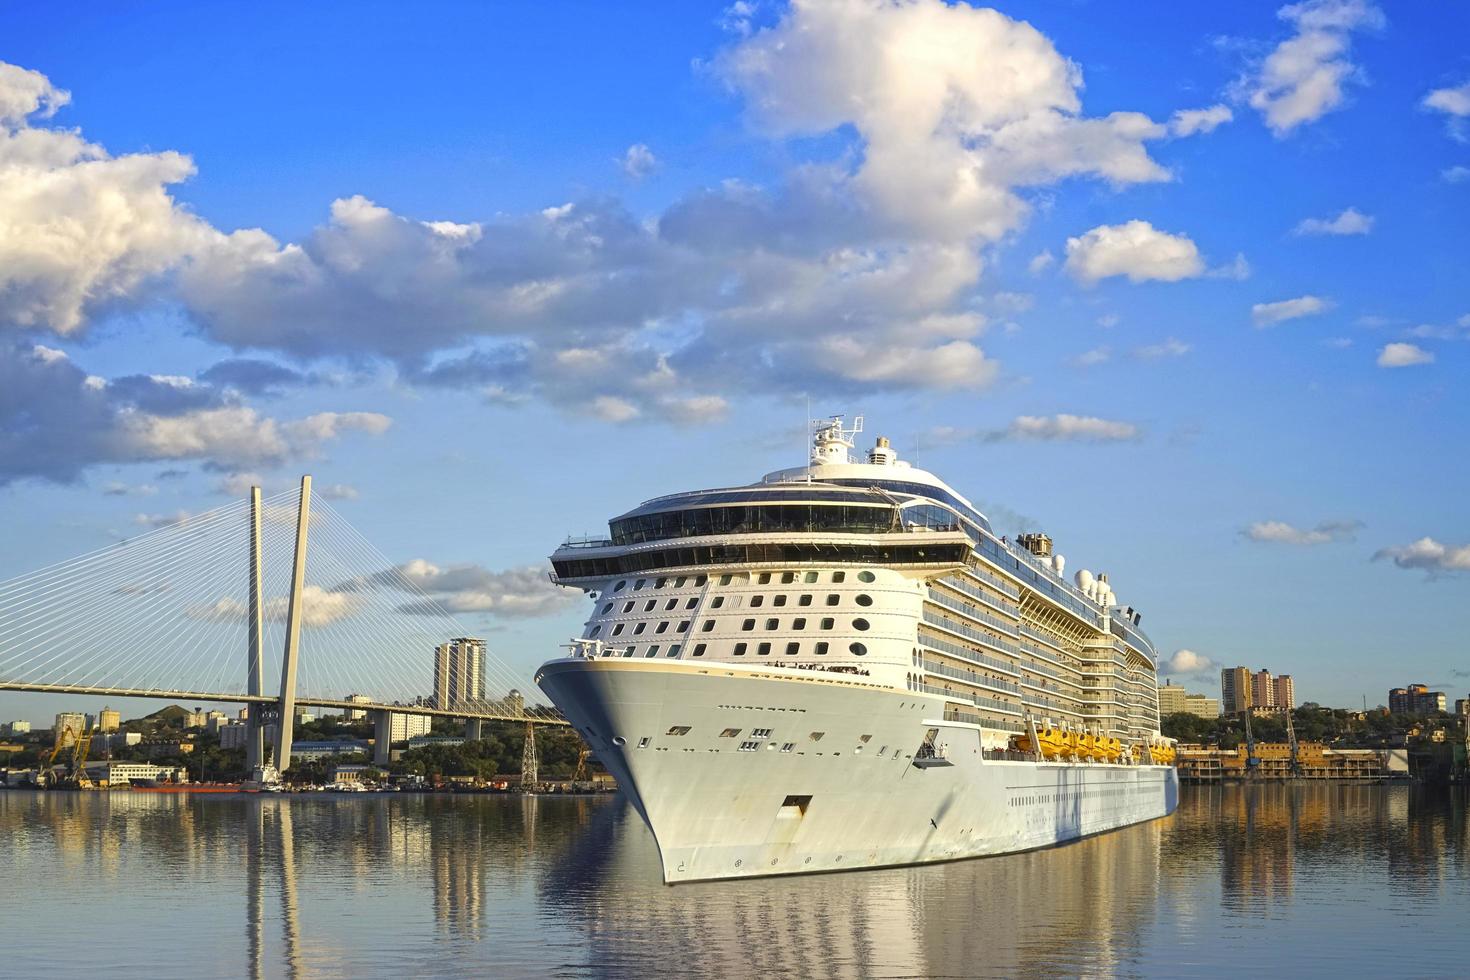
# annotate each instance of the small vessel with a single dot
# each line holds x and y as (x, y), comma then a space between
(842, 665)
(263, 779)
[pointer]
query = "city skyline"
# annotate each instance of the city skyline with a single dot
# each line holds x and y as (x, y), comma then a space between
(1192, 316)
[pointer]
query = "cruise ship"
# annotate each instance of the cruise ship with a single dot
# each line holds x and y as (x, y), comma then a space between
(842, 666)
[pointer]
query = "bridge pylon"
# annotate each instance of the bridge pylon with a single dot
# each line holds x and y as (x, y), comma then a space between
(287, 705)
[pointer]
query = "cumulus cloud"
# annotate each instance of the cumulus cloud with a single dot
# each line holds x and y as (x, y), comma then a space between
(1094, 357)
(1399, 355)
(1269, 314)
(853, 273)
(1349, 222)
(1429, 556)
(1187, 663)
(1305, 76)
(117, 488)
(1137, 250)
(1187, 122)
(1457, 174)
(56, 421)
(638, 161)
(1280, 532)
(514, 593)
(1067, 428)
(1040, 262)
(82, 230)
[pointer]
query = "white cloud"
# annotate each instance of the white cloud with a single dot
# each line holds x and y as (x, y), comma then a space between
(163, 520)
(1094, 357)
(1187, 663)
(1237, 268)
(1303, 79)
(467, 587)
(1457, 174)
(1187, 122)
(26, 93)
(1067, 428)
(117, 488)
(1109, 320)
(1280, 532)
(957, 106)
(1349, 222)
(1040, 262)
(1399, 355)
(1429, 555)
(638, 161)
(1267, 314)
(1168, 347)
(1451, 101)
(319, 607)
(337, 491)
(1137, 250)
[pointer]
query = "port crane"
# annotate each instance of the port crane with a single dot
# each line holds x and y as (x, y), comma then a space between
(80, 744)
(1251, 759)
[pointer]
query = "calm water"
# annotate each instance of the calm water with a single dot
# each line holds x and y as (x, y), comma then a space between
(1285, 881)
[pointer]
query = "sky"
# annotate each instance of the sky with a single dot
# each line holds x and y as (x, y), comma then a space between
(1185, 287)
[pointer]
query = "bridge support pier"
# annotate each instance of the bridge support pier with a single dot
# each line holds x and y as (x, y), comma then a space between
(255, 725)
(472, 729)
(382, 737)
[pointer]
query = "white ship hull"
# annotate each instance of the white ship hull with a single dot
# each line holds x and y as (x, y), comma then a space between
(771, 799)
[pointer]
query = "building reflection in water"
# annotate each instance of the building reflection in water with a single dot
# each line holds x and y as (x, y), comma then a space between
(416, 885)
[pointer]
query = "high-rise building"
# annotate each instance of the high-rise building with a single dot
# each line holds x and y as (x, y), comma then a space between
(1174, 700)
(459, 672)
(1416, 699)
(1235, 690)
(355, 714)
(68, 726)
(401, 728)
(1263, 692)
(18, 728)
(194, 719)
(109, 720)
(1283, 692)
(1462, 708)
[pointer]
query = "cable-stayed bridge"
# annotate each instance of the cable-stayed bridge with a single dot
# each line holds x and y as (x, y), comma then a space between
(273, 602)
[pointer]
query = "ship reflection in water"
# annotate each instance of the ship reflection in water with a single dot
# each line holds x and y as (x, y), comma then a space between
(1308, 879)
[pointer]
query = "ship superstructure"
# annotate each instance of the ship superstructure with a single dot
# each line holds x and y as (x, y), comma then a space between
(871, 595)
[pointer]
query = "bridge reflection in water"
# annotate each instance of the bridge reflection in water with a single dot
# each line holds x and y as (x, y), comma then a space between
(519, 886)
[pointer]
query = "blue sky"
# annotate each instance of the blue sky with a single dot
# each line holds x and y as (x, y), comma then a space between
(1184, 287)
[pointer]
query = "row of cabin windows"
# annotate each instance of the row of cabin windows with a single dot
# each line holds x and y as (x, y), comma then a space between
(793, 649)
(762, 578)
(718, 602)
(799, 623)
(640, 628)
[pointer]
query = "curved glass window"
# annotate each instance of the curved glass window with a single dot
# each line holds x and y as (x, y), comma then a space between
(861, 625)
(878, 517)
(866, 576)
(864, 600)
(857, 649)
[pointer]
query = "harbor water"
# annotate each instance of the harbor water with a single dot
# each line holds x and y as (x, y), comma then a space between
(1285, 880)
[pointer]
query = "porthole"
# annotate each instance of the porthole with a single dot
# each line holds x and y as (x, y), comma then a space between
(839, 576)
(627, 607)
(864, 600)
(866, 576)
(639, 584)
(861, 625)
(619, 740)
(620, 586)
(857, 649)
(595, 631)
(606, 609)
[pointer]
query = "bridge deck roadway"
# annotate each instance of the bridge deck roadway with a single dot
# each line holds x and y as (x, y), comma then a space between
(541, 716)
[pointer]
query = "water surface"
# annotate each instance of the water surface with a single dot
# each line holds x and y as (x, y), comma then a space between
(1280, 880)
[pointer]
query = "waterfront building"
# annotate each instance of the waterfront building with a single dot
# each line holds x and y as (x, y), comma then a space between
(324, 750)
(459, 672)
(122, 773)
(420, 741)
(347, 773)
(1283, 692)
(1416, 699)
(1263, 691)
(401, 727)
(109, 720)
(356, 714)
(68, 726)
(1235, 690)
(18, 728)
(121, 740)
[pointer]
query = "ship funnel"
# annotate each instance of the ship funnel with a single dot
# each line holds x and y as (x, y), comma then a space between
(882, 453)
